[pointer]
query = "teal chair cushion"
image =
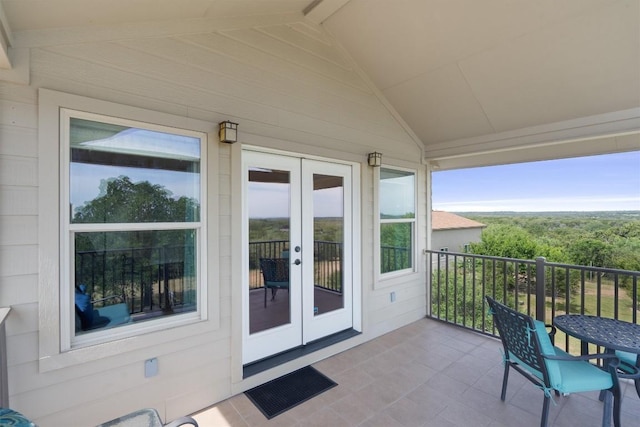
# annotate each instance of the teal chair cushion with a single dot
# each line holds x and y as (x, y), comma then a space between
(545, 342)
(581, 376)
(115, 314)
(627, 357)
(9, 417)
(548, 349)
(564, 375)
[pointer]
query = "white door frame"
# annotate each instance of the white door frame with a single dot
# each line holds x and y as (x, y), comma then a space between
(274, 340)
(261, 345)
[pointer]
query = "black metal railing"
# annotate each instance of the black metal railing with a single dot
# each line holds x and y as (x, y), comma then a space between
(163, 279)
(327, 262)
(393, 258)
(328, 265)
(458, 282)
(147, 279)
(264, 249)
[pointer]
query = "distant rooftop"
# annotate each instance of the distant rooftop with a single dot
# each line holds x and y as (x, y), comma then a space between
(441, 220)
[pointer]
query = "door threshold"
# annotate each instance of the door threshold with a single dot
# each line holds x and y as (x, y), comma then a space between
(262, 365)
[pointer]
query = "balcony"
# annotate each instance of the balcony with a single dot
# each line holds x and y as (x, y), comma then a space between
(446, 370)
(428, 373)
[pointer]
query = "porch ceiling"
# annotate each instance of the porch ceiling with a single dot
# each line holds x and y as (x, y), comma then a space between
(465, 76)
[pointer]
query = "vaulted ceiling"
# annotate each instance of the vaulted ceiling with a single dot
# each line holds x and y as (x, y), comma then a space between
(490, 73)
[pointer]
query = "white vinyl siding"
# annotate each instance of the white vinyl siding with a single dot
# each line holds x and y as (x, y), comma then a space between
(267, 79)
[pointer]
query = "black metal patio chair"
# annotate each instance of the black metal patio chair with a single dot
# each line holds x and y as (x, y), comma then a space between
(633, 360)
(529, 350)
(148, 417)
(275, 273)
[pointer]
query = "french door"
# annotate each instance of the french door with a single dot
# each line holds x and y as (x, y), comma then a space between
(298, 263)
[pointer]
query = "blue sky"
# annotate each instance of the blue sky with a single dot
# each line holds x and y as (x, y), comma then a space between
(596, 183)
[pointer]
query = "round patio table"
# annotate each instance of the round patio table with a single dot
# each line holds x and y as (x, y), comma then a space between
(612, 334)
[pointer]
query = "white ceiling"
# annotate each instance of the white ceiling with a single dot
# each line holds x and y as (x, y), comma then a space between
(458, 69)
(459, 72)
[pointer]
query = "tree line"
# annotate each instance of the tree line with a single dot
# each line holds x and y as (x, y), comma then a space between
(605, 240)
(608, 240)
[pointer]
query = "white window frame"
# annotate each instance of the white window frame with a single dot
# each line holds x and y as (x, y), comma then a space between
(413, 221)
(69, 229)
(57, 346)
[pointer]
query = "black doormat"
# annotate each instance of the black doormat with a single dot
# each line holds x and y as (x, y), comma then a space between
(280, 395)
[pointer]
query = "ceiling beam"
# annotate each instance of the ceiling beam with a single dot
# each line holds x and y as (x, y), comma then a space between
(607, 144)
(584, 128)
(319, 10)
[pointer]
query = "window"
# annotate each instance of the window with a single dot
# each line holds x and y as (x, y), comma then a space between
(133, 228)
(397, 220)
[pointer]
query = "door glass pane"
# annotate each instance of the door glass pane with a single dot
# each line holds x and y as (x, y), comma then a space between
(269, 199)
(328, 236)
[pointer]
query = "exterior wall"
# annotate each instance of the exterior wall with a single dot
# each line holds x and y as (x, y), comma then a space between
(290, 88)
(454, 239)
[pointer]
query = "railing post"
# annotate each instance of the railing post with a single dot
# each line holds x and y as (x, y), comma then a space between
(540, 292)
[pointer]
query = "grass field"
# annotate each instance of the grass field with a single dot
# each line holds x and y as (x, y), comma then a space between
(604, 306)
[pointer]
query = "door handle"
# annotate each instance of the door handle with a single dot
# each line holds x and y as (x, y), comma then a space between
(297, 262)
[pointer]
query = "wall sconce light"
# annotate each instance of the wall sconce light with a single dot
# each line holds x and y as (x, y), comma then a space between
(375, 159)
(228, 132)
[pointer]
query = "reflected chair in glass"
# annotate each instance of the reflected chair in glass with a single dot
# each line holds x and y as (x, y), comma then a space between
(528, 349)
(275, 273)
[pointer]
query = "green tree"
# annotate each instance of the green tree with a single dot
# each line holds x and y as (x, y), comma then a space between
(507, 241)
(108, 259)
(589, 251)
(123, 201)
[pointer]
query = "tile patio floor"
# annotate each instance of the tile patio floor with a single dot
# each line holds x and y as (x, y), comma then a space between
(424, 374)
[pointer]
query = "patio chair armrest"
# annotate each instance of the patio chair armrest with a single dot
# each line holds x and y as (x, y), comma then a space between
(571, 357)
(551, 333)
(628, 371)
(182, 421)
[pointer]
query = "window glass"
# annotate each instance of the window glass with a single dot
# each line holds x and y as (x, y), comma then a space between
(397, 220)
(142, 271)
(397, 194)
(124, 174)
(134, 195)
(395, 251)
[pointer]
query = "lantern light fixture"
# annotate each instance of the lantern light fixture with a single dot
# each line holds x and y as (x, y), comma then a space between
(375, 159)
(228, 132)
